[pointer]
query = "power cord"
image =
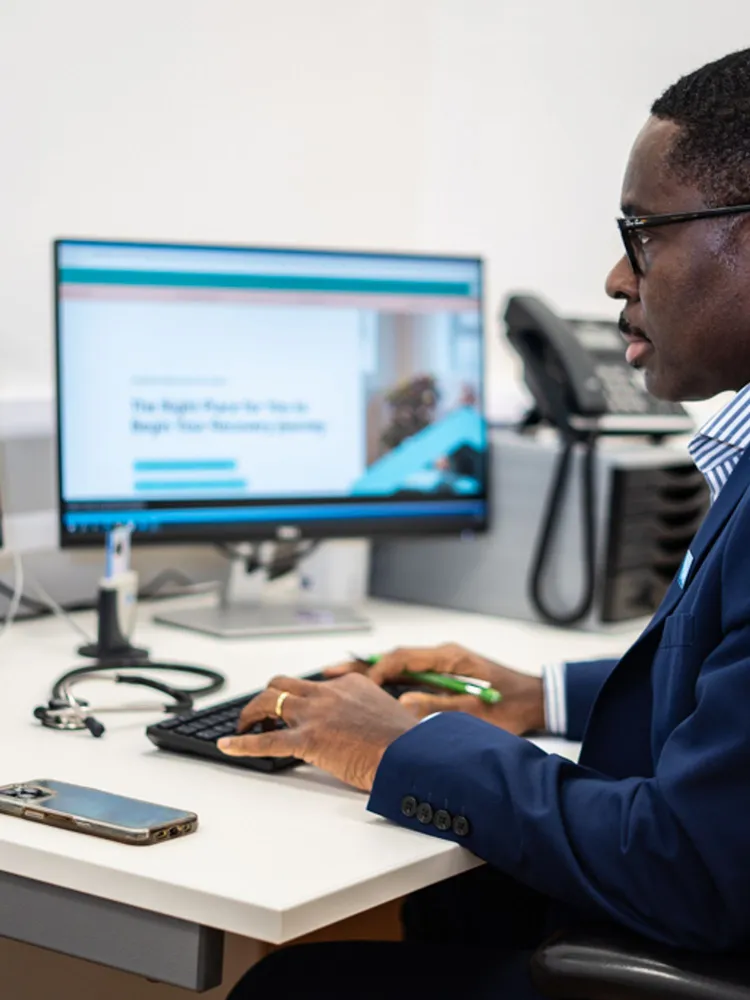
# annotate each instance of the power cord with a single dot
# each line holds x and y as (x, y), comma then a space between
(16, 594)
(58, 609)
(36, 607)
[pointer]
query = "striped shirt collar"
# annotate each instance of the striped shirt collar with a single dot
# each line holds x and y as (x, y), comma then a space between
(718, 445)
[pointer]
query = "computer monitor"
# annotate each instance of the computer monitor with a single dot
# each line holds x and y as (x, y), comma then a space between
(226, 394)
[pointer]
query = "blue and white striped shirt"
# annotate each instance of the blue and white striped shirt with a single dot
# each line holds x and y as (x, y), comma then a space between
(716, 450)
(717, 446)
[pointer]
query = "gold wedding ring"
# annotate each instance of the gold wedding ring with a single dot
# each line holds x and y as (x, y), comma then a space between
(280, 703)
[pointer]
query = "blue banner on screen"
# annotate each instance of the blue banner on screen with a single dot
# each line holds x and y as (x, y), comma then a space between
(209, 392)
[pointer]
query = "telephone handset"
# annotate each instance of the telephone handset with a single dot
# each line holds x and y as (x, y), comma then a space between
(577, 373)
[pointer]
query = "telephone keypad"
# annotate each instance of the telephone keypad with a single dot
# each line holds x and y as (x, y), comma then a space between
(622, 395)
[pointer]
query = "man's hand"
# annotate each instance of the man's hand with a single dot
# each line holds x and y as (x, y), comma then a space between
(343, 726)
(520, 711)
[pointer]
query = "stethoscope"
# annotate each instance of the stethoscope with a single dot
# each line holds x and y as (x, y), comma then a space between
(64, 711)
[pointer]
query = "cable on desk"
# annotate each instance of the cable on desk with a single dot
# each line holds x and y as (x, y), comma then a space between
(36, 607)
(16, 593)
(58, 609)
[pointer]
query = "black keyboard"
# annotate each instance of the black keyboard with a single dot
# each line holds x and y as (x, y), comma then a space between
(196, 732)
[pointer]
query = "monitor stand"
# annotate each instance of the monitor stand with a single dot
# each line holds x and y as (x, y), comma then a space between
(245, 611)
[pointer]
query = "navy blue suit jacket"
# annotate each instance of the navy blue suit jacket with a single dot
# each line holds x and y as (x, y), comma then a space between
(651, 829)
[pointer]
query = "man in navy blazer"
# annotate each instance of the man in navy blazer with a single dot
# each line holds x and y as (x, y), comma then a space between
(651, 829)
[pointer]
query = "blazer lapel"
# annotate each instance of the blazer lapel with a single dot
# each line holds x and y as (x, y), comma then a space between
(630, 724)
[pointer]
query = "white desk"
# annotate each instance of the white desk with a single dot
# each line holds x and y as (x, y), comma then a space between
(276, 856)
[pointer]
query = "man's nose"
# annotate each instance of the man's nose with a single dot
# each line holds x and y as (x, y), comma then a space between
(621, 282)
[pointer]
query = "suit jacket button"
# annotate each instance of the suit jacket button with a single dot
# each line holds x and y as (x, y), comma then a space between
(424, 813)
(409, 806)
(461, 826)
(442, 820)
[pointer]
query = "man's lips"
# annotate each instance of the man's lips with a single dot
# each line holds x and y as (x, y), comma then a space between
(639, 345)
(638, 350)
(630, 333)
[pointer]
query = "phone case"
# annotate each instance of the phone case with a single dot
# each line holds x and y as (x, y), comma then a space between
(97, 813)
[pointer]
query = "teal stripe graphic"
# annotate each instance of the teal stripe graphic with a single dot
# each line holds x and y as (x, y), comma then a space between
(269, 282)
(184, 465)
(168, 485)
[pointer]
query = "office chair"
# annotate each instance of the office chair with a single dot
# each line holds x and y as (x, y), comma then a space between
(596, 965)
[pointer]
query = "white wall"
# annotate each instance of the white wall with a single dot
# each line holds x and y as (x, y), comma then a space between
(533, 107)
(498, 126)
(289, 122)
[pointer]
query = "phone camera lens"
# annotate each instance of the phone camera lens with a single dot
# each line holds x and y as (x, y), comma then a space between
(25, 792)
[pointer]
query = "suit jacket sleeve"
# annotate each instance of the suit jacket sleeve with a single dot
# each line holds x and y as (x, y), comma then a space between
(665, 855)
(583, 681)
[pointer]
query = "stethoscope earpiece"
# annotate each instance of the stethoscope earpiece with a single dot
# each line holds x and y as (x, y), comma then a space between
(94, 726)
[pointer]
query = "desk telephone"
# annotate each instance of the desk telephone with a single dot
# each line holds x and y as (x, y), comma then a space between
(577, 373)
(582, 385)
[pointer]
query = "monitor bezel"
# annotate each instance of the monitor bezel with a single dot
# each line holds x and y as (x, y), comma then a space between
(382, 528)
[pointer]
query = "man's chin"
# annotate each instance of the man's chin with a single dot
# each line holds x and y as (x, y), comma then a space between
(661, 387)
(657, 386)
(676, 386)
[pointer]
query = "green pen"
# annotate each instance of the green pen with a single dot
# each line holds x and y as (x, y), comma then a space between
(449, 682)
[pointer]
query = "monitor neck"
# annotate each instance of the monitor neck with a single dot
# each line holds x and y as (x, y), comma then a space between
(247, 569)
(245, 609)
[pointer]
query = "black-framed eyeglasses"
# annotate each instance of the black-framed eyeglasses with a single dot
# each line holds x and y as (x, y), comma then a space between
(632, 226)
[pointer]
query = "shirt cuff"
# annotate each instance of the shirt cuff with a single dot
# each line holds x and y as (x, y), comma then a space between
(555, 708)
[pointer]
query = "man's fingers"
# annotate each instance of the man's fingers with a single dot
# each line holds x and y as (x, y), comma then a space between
(263, 706)
(279, 743)
(388, 667)
(294, 685)
(400, 661)
(348, 667)
(422, 705)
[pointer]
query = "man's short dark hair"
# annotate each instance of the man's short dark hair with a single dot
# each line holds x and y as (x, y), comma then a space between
(712, 150)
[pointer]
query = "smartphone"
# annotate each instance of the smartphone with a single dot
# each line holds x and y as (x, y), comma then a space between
(101, 814)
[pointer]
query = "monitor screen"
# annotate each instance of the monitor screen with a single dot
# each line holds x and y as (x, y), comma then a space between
(225, 393)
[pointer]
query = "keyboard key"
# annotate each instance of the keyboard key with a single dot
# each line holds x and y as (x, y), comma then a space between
(226, 728)
(171, 723)
(229, 715)
(189, 729)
